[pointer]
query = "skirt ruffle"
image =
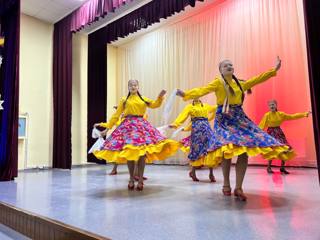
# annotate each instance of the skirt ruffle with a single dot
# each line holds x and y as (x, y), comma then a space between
(133, 138)
(278, 134)
(185, 144)
(235, 134)
(196, 145)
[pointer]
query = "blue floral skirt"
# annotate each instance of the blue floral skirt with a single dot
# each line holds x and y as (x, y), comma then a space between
(201, 138)
(235, 134)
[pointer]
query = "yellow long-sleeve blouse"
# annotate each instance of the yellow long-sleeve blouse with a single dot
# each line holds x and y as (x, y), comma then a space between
(134, 106)
(189, 126)
(275, 119)
(217, 86)
(196, 110)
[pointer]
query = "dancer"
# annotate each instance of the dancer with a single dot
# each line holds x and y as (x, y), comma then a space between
(135, 139)
(272, 121)
(197, 143)
(114, 170)
(234, 133)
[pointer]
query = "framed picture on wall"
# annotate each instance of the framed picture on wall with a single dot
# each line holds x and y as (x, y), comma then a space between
(22, 128)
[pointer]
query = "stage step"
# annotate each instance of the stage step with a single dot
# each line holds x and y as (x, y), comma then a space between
(39, 228)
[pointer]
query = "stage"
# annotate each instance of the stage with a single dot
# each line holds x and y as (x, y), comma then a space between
(171, 206)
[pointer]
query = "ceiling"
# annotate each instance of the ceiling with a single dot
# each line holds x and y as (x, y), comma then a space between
(50, 10)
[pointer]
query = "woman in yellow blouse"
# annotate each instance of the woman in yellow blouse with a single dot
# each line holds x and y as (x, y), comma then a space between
(201, 134)
(186, 142)
(234, 133)
(272, 121)
(135, 139)
(115, 165)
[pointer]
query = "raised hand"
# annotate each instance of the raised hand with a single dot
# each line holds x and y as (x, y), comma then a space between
(162, 93)
(180, 93)
(278, 64)
(96, 125)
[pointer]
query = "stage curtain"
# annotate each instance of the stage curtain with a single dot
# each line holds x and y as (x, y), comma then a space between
(144, 17)
(62, 94)
(251, 33)
(136, 20)
(9, 89)
(89, 12)
(312, 18)
(97, 89)
(92, 11)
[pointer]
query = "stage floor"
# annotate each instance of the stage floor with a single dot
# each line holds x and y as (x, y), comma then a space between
(172, 206)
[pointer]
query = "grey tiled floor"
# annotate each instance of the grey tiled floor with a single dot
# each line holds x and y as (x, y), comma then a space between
(172, 206)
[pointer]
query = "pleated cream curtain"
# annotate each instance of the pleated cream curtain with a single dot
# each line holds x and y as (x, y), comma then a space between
(251, 33)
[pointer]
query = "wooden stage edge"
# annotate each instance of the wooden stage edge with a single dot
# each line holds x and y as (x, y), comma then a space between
(41, 228)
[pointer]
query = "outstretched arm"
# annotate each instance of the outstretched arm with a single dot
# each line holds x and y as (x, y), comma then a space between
(114, 118)
(262, 77)
(286, 116)
(157, 103)
(181, 118)
(198, 92)
(188, 127)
